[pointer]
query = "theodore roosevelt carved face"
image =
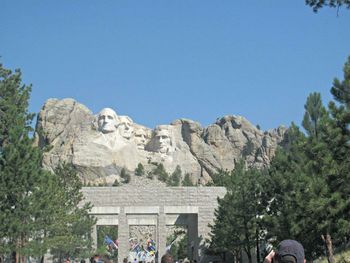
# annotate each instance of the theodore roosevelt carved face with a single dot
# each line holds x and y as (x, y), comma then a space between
(107, 120)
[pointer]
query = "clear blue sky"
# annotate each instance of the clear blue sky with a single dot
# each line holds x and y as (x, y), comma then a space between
(160, 60)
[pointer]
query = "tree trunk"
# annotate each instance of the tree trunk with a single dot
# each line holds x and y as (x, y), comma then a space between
(329, 247)
(257, 246)
(249, 254)
(237, 256)
(13, 257)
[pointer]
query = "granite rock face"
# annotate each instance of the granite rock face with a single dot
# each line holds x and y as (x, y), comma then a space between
(101, 145)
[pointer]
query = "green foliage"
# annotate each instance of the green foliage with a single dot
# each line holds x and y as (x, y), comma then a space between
(116, 183)
(175, 177)
(102, 248)
(160, 172)
(69, 226)
(179, 241)
(221, 178)
(314, 112)
(125, 176)
(337, 137)
(150, 175)
(15, 119)
(140, 170)
(102, 184)
(287, 191)
(318, 4)
(328, 167)
(38, 210)
(308, 183)
(238, 216)
(187, 180)
(21, 176)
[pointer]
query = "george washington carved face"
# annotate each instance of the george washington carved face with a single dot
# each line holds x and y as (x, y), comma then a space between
(107, 120)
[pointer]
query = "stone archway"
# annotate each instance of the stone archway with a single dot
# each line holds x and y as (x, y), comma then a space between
(127, 208)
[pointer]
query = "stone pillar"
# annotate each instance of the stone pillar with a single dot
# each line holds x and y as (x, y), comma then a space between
(193, 240)
(161, 233)
(123, 236)
(94, 237)
(203, 230)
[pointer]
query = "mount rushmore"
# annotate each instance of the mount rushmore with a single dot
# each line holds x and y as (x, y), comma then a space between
(101, 145)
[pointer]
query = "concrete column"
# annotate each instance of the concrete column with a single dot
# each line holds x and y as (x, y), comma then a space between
(123, 236)
(203, 230)
(193, 240)
(161, 246)
(94, 237)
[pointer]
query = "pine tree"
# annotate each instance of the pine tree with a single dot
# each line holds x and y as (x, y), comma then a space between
(70, 233)
(314, 111)
(327, 152)
(38, 210)
(320, 165)
(161, 173)
(150, 175)
(286, 196)
(175, 177)
(309, 180)
(318, 4)
(125, 175)
(187, 180)
(237, 224)
(21, 176)
(336, 168)
(64, 226)
(140, 170)
(116, 183)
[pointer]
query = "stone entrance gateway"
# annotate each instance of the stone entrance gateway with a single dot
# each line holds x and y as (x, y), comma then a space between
(128, 206)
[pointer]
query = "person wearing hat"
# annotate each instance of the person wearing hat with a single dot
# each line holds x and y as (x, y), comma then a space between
(288, 251)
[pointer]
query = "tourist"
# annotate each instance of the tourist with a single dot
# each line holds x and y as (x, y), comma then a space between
(167, 258)
(288, 251)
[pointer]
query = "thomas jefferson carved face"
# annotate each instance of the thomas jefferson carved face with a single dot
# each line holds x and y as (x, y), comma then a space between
(107, 120)
(163, 139)
(125, 127)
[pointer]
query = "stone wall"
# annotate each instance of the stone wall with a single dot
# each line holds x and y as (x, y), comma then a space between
(159, 206)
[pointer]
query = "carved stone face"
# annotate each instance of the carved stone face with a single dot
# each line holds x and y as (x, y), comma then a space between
(140, 138)
(125, 127)
(163, 140)
(107, 120)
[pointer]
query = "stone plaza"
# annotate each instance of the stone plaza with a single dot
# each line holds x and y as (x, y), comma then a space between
(157, 207)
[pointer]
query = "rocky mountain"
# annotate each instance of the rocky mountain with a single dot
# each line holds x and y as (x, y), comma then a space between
(101, 145)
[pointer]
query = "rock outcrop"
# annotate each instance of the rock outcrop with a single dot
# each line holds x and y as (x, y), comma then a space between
(101, 145)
